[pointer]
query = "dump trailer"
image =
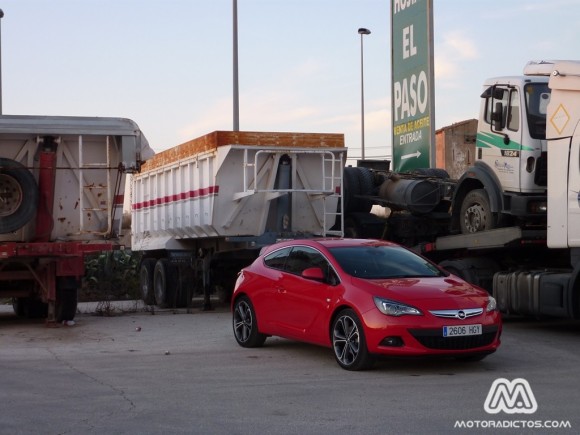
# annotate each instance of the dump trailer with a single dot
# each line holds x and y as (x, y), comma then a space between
(62, 183)
(203, 209)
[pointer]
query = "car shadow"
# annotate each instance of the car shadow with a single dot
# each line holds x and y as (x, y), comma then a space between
(308, 354)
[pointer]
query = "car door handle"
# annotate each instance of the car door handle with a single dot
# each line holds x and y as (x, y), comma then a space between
(281, 289)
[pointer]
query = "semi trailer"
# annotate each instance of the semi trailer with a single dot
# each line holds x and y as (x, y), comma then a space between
(203, 209)
(61, 197)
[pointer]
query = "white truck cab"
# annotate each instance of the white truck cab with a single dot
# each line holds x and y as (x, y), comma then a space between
(510, 171)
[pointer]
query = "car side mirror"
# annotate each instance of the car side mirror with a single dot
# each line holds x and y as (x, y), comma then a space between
(313, 273)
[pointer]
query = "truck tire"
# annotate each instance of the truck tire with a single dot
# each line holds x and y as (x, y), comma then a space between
(185, 281)
(146, 273)
(30, 308)
(351, 188)
(476, 213)
(164, 283)
(18, 196)
(364, 226)
(66, 298)
(357, 181)
(365, 181)
(475, 270)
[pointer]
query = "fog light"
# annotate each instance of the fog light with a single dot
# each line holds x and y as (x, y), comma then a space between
(392, 342)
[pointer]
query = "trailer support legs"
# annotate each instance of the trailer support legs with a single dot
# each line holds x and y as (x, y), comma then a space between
(50, 280)
(206, 275)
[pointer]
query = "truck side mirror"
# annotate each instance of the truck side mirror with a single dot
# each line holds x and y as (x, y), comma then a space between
(497, 117)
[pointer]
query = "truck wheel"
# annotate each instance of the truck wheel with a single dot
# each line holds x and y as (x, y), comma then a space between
(357, 181)
(185, 281)
(351, 188)
(475, 270)
(164, 283)
(476, 213)
(66, 298)
(18, 196)
(365, 180)
(18, 306)
(146, 273)
(29, 308)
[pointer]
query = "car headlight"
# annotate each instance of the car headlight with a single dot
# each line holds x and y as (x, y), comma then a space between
(394, 308)
(491, 304)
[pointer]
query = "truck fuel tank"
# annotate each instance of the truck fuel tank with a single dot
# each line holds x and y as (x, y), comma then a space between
(417, 196)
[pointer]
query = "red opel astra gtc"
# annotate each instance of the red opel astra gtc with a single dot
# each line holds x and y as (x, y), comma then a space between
(362, 298)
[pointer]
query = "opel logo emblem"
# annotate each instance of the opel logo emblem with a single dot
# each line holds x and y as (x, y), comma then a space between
(461, 314)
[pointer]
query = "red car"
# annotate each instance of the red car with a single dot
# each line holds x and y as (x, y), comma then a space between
(362, 298)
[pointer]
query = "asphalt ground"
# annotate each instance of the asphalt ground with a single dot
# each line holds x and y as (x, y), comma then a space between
(170, 372)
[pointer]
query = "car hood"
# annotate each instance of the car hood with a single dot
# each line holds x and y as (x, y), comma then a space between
(424, 289)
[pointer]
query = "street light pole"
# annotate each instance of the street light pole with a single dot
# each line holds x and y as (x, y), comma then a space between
(362, 31)
(235, 67)
(1, 16)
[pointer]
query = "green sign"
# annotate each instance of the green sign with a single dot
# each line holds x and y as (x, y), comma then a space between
(412, 92)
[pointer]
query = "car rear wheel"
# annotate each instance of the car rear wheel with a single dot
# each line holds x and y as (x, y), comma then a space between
(245, 326)
(348, 342)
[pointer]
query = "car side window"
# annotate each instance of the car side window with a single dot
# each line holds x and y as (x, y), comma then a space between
(299, 259)
(303, 257)
(277, 259)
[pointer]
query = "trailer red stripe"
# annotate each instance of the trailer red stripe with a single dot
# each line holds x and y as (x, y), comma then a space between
(191, 194)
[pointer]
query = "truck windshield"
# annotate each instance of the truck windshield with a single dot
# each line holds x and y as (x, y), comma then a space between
(537, 99)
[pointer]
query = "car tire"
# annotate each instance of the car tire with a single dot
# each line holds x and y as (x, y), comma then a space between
(348, 342)
(19, 196)
(476, 213)
(146, 273)
(245, 324)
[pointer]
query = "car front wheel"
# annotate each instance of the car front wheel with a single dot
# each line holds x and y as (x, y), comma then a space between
(348, 342)
(245, 326)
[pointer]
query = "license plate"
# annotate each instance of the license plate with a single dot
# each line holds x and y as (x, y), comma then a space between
(462, 330)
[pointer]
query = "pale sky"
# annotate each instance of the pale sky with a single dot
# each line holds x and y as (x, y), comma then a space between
(167, 65)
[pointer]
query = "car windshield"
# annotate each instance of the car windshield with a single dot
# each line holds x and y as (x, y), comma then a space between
(380, 262)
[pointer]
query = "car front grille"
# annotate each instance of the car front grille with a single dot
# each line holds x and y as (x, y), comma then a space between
(433, 339)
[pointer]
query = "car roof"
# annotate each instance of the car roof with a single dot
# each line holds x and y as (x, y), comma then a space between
(329, 243)
(332, 243)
